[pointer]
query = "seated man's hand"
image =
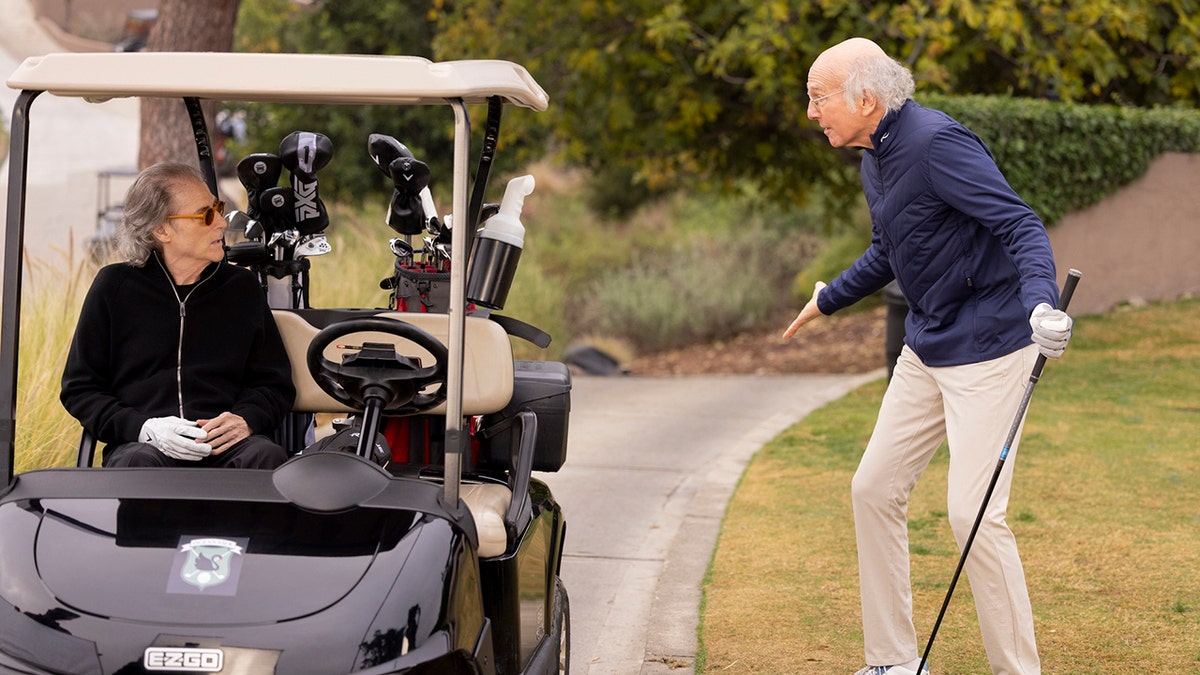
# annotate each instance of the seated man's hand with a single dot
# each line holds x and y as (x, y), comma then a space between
(1051, 330)
(175, 437)
(224, 431)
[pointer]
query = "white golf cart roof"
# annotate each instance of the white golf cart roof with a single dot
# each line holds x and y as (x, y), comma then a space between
(345, 79)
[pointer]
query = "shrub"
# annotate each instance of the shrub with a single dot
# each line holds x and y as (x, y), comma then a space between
(1063, 157)
(707, 289)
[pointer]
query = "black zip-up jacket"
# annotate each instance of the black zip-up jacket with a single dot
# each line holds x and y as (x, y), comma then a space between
(144, 349)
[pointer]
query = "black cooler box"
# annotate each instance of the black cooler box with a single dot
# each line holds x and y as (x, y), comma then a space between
(545, 388)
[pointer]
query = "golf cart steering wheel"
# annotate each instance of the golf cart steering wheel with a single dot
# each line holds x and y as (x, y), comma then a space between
(376, 371)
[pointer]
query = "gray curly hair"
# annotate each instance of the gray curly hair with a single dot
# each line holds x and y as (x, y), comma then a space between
(887, 78)
(148, 202)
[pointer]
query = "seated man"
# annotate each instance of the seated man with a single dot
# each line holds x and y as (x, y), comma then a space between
(176, 360)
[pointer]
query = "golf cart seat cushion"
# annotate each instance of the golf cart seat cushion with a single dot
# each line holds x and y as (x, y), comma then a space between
(488, 503)
(487, 360)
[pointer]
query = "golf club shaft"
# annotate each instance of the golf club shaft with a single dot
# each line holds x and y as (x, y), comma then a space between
(1063, 302)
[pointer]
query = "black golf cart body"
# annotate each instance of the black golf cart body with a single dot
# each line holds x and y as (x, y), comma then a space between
(329, 564)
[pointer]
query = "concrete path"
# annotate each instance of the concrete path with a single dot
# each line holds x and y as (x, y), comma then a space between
(651, 465)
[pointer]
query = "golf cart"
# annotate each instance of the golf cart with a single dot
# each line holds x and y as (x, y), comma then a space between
(441, 556)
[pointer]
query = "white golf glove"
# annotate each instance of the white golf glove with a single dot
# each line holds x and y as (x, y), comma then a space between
(176, 437)
(1051, 330)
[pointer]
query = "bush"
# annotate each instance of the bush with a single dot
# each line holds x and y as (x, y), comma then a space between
(707, 289)
(1063, 157)
(1059, 158)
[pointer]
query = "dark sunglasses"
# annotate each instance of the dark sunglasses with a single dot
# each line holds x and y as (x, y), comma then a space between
(209, 214)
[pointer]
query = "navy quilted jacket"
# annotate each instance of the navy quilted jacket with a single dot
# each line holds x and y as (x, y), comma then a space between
(971, 257)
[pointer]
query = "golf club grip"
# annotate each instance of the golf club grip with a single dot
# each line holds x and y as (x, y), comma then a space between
(1064, 298)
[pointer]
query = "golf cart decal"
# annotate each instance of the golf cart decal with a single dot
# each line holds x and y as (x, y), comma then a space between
(186, 659)
(207, 565)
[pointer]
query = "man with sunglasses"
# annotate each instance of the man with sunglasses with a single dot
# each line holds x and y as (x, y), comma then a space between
(176, 360)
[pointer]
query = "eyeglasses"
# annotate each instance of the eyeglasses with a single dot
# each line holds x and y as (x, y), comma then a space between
(209, 214)
(819, 101)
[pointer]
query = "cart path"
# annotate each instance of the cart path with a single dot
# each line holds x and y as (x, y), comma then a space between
(651, 465)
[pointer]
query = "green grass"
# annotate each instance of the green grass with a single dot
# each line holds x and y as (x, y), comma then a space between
(1105, 506)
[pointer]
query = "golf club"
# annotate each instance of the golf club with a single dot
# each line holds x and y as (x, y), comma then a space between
(275, 209)
(1063, 301)
(304, 153)
(257, 172)
(410, 177)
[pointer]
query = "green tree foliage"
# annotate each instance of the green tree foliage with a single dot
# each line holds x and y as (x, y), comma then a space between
(350, 27)
(716, 89)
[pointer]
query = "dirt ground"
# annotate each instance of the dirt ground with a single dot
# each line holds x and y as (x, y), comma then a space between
(851, 342)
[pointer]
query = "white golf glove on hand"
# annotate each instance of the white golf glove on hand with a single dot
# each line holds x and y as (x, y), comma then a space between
(176, 438)
(1051, 330)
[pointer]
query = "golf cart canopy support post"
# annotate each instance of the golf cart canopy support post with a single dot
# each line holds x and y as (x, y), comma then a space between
(10, 311)
(328, 79)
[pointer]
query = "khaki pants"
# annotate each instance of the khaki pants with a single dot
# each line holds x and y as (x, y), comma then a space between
(973, 406)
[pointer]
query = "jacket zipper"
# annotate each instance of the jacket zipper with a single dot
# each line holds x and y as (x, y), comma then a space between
(182, 315)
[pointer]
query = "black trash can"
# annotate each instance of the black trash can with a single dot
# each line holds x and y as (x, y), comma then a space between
(897, 312)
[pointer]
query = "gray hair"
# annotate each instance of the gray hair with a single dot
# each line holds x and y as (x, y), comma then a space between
(148, 202)
(888, 79)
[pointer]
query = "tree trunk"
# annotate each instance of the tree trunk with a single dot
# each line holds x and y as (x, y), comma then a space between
(182, 26)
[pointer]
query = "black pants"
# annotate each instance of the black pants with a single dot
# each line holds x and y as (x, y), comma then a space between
(255, 452)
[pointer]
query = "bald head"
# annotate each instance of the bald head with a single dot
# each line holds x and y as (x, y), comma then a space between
(837, 61)
(864, 71)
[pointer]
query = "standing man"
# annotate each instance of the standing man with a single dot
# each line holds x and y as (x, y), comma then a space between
(975, 266)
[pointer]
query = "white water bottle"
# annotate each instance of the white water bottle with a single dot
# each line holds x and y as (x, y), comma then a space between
(498, 246)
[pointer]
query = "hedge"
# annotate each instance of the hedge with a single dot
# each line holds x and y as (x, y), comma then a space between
(1060, 157)
(1064, 157)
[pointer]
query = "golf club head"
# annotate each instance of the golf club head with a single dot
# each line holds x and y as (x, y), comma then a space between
(248, 253)
(409, 175)
(276, 210)
(490, 209)
(310, 215)
(313, 244)
(431, 215)
(284, 239)
(441, 235)
(240, 222)
(405, 214)
(257, 172)
(384, 150)
(401, 248)
(305, 153)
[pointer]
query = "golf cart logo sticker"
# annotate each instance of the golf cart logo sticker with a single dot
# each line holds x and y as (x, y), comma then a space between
(207, 566)
(186, 659)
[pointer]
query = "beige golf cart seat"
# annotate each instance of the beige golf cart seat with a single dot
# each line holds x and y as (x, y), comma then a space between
(487, 388)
